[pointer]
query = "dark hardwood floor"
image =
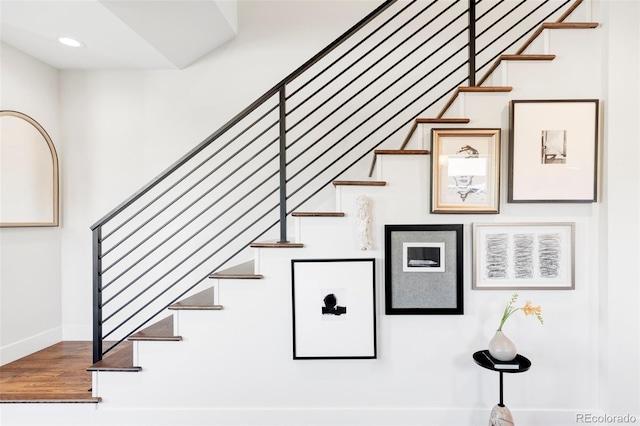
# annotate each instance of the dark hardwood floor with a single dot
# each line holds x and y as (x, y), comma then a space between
(55, 374)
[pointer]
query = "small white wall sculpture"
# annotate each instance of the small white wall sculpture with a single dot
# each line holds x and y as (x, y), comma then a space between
(363, 221)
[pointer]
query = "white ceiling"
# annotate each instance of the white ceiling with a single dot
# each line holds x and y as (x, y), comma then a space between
(118, 34)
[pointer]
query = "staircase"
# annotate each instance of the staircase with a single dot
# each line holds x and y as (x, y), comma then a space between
(252, 301)
(282, 152)
(193, 345)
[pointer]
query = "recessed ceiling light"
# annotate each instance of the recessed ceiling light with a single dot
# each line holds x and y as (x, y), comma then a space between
(71, 42)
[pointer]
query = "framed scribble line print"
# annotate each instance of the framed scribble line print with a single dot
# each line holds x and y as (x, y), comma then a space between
(523, 255)
(423, 269)
(553, 151)
(334, 315)
(465, 170)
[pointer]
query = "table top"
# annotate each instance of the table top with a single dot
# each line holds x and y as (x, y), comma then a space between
(519, 365)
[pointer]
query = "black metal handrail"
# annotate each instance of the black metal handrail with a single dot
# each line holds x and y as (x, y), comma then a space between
(359, 92)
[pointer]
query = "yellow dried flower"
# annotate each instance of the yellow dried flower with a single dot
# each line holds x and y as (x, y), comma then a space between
(528, 309)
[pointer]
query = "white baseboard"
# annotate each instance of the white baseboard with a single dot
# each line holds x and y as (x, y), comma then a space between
(17, 350)
(104, 415)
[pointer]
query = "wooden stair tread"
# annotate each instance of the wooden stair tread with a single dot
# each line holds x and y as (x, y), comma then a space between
(317, 214)
(244, 271)
(401, 152)
(441, 120)
(525, 57)
(276, 244)
(159, 331)
(414, 126)
(570, 25)
(202, 301)
(359, 183)
(484, 89)
(120, 359)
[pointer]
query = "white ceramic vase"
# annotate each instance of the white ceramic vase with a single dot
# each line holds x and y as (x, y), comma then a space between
(501, 348)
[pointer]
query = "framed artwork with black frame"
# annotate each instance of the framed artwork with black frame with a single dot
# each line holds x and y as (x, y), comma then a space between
(553, 151)
(532, 256)
(465, 170)
(334, 308)
(423, 269)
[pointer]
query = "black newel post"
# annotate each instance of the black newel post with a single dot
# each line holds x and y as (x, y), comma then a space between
(472, 43)
(283, 167)
(97, 294)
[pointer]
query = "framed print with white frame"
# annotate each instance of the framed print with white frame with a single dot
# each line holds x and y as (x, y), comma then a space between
(465, 170)
(535, 256)
(553, 151)
(334, 308)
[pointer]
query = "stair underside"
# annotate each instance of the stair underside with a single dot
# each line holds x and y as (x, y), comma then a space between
(159, 331)
(244, 271)
(202, 301)
(120, 359)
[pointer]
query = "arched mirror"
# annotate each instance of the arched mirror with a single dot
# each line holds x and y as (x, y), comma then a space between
(28, 173)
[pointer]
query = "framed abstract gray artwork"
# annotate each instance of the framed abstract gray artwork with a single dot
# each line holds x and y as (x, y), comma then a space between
(423, 270)
(523, 255)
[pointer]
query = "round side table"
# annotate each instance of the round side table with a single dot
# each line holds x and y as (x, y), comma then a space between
(500, 414)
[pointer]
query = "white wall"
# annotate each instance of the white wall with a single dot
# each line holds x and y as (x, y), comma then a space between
(122, 128)
(30, 287)
(619, 289)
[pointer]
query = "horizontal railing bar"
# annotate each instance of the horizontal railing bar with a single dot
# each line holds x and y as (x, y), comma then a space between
(194, 218)
(367, 53)
(190, 271)
(521, 37)
(215, 169)
(178, 297)
(373, 115)
(246, 129)
(337, 42)
(503, 17)
(196, 233)
(191, 254)
(238, 117)
(379, 94)
(341, 57)
(367, 70)
(489, 10)
(381, 125)
(201, 146)
(510, 28)
(368, 151)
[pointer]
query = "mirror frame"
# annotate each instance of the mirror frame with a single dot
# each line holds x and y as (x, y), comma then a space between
(54, 160)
